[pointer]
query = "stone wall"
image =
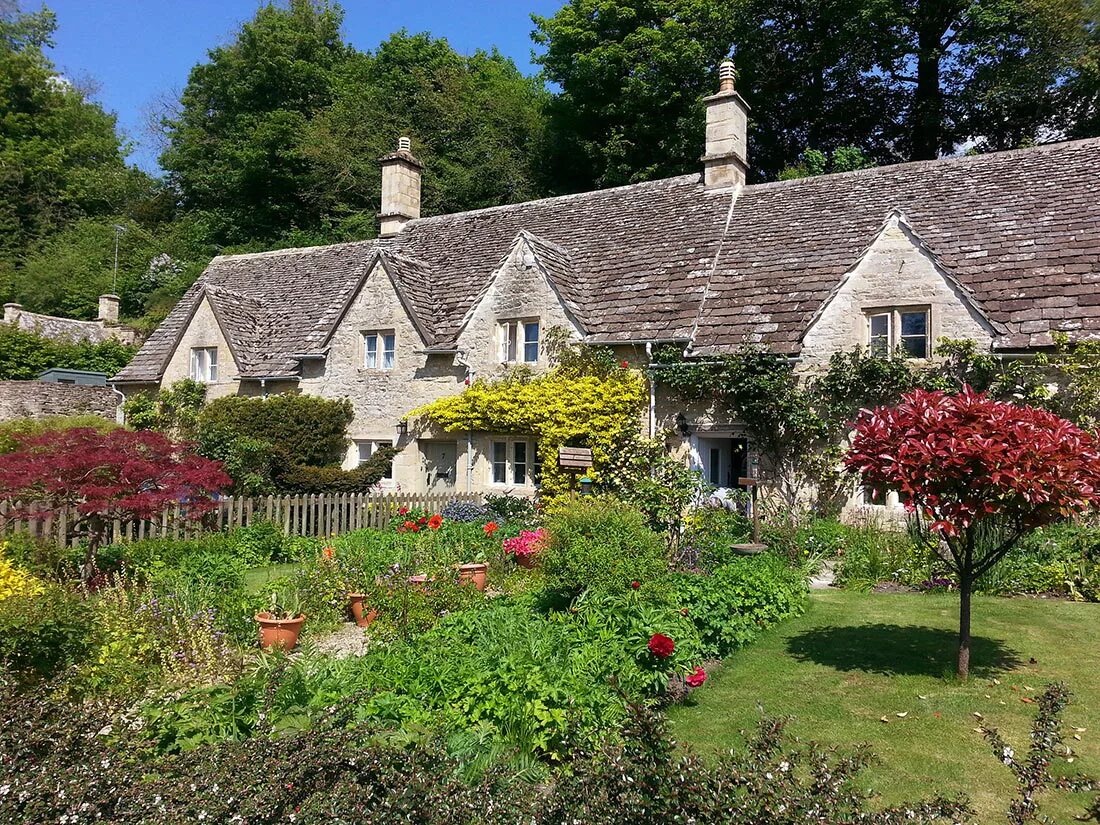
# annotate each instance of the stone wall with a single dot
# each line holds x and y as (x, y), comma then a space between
(203, 331)
(39, 399)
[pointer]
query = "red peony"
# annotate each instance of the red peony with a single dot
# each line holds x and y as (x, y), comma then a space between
(661, 645)
(422, 520)
(624, 364)
(491, 528)
(436, 521)
(402, 511)
(635, 585)
(410, 525)
(697, 677)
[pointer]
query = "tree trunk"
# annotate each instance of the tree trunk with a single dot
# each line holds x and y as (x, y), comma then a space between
(965, 587)
(927, 113)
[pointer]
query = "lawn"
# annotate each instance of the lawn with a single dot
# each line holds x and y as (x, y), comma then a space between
(856, 658)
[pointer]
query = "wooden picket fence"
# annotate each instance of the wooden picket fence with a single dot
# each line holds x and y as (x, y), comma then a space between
(307, 515)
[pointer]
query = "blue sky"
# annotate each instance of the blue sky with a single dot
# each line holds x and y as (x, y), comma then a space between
(138, 51)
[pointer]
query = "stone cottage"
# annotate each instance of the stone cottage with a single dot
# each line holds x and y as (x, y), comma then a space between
(1000, 248)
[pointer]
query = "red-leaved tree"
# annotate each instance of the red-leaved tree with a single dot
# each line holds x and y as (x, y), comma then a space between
(98, 477)
(977, 475)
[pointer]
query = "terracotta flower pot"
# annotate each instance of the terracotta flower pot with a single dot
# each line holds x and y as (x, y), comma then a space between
(420, 579)
(363, 614)
(474, 572)
(279, 632)
(526, 560)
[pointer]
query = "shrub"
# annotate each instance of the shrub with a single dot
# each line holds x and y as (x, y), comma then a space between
(731, 606)
(465, 511)
(307, 429)
(24, 354)
(15, 581)
(712, 530)
(13, 432)
(363, 479)
(509, 509)
(43, 634)
(871, 555)
(601, 545)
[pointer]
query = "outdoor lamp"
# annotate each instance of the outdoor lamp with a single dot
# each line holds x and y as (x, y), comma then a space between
(586, 485)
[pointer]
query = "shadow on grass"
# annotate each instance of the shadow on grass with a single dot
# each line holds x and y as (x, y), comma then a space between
(898, 650)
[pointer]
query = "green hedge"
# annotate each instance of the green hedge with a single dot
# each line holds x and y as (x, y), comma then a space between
(24, 355)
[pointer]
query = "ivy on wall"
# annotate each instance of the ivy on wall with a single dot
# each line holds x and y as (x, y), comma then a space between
(568, 406)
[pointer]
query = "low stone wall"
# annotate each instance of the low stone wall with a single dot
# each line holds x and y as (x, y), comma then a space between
(39, 399)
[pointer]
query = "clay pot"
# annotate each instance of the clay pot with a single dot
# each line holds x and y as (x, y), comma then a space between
(420, 580)
(526, 560)
(279, 632)
(474, 572)
(364, 615)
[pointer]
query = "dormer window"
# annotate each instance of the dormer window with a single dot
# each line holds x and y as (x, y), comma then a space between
(518, 341)
(898, 327)
(379, 350)
(204, 364)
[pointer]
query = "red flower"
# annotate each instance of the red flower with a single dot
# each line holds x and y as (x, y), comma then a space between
(328, 552)
(635, 585)
(436, 521)
(422, 520)
(402, 511)
(661, 645)
(696, 677)
(491, 528)
(624, 364)
(410, 525)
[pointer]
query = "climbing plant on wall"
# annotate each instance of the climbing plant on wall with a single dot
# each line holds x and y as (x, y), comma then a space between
(566, 406)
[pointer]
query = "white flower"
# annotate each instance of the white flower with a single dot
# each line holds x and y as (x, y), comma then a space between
(5, 790)
(784, 766)
(1007, 754)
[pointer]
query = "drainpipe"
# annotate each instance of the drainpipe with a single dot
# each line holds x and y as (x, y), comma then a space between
(652, 393)
(460, 357)
(120, 413)
(263, 388)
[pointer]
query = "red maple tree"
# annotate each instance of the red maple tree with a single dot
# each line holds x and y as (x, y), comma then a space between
(97, 478)
(977, 475)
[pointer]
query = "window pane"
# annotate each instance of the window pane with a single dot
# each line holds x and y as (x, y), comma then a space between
(916, 346)
(879, 334)
(511, 342)
(715, 476)
(519, 463)
(370, 358)
(212, 363)
(365, 450)
(195, 365)
(914, 323)
(500, 462)
(531, 342)
(388, 347)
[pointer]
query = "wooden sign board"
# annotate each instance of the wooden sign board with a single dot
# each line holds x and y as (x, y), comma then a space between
(574, 458)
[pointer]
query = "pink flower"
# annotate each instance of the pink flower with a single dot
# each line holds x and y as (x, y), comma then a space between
(661, 645)
(697, 677)
(526, 543)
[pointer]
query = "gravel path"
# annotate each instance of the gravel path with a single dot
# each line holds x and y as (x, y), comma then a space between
(824, 577)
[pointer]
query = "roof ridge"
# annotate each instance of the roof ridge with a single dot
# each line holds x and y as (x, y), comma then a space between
(292, 250)
(924, 164)
(693, 177)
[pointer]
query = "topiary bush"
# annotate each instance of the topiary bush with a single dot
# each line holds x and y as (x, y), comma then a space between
(601, 545)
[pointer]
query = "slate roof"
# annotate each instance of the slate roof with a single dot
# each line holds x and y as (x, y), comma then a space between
(66, 329)
(1020, 231)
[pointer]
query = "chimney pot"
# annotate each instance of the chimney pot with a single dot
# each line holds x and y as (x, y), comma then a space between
(401, 173)
(725, 159)
(108, 309)
(12, 312)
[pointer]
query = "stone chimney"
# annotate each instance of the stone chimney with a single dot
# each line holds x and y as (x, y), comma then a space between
(725, 161)
(108, 309)
(400, 189)
(12, 313)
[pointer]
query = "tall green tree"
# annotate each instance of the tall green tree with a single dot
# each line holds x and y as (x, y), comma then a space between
(61, 157)
(982, 70)
(237, 151)
(475, 122)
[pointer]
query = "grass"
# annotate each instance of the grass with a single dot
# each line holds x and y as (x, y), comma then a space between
(257, 578)
(855, 658)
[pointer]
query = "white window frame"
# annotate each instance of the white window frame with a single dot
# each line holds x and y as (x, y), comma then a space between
(367, 448)
(515, 343)
(505, 472)
(379, 349)
(894, 337)
(204, 364)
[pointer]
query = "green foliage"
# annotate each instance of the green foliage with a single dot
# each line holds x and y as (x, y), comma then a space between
(173, 411)
(733, 605)
(307, 429)
(602, 546)
(362, 479)
(561, 408)
(24, 354)
(11, 432)
(870, 554)
(711, 532)
(44, 634)
(814, 162)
